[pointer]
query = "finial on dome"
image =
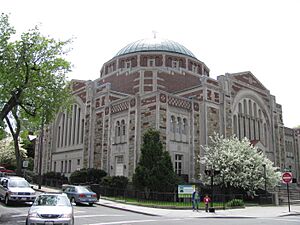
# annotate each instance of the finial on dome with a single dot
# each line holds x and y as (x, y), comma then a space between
(154, 33)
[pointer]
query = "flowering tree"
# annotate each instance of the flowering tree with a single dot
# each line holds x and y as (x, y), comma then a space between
(239, 163)
(7, 152)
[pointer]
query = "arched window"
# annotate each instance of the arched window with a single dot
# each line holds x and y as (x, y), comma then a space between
(259, 114)
(172, 124)
(118, 129)
(235, 125)
(250, 107)
(184, 126)
(245, 107)
(255, 110)
(240, 108)
(266, 135)
(123, 127)
(179, 124)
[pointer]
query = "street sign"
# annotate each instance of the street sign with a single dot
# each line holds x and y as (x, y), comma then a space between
(25, 164)
(287, 177)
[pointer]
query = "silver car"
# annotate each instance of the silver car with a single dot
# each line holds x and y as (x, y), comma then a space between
(51, 209)
(81, 194)
(16, 189)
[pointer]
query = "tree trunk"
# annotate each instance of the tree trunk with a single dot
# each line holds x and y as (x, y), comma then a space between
(12, 103)
(15, 134)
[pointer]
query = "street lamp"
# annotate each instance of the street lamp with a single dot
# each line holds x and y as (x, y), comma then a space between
(265, 178)
(40, 153)
(212, 172)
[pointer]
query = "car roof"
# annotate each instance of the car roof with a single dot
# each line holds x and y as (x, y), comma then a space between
(53, 193)
(15, 178)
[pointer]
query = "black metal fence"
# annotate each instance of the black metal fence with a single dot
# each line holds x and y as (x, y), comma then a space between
(171, 198)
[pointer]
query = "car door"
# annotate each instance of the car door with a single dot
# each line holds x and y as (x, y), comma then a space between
(70, 192)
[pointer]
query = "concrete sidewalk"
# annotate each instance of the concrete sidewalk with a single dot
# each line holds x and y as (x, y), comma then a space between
(254, 212)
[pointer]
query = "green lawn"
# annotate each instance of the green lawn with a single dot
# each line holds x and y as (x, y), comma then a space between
(160, 204)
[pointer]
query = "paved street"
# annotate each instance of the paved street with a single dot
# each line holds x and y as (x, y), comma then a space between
(101, 215)
(108, 213)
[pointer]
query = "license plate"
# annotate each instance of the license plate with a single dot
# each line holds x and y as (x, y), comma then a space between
(48, 223)
(24, 199)
(88, 196)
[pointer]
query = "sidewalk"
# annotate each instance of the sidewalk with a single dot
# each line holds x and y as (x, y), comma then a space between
(255, 211)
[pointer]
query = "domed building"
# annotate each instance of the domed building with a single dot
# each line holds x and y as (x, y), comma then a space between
(157, 83)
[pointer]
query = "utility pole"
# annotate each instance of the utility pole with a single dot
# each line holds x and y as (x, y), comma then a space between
(41, 154)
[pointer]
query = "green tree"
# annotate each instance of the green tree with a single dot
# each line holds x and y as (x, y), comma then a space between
(154, 171)
(32, 79)
(240, 164)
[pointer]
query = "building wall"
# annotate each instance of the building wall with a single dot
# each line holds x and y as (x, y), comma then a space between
(175, 95)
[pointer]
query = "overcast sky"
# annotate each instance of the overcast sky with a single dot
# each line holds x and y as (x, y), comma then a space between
(261, 36)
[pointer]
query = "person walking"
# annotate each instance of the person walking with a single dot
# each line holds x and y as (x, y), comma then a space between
(196, 200)
(206, 201)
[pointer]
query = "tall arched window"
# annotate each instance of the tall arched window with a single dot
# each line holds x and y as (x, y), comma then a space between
(179, 124)
(245, 106)
(250, 107)
(240, 108)
(235, 125)
(184, 126)
(266, 135)
(118, 129)
(123, 127)
(172, 124)
(255, 110)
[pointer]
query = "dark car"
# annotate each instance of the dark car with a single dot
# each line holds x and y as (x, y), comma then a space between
(81, 194)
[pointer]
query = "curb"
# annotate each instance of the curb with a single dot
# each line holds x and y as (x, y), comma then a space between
(125, 209)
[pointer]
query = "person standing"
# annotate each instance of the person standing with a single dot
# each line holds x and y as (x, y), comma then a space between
(196, 200)
(206, 201)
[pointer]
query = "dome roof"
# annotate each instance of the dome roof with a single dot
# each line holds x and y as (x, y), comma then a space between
(155, 44)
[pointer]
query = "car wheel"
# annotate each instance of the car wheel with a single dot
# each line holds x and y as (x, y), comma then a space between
(73, 201)
(91, 204)
(6, 200)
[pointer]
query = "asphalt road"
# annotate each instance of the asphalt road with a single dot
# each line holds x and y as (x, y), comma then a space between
(99, 215)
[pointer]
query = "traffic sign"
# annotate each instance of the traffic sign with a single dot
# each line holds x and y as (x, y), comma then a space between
(287, 177)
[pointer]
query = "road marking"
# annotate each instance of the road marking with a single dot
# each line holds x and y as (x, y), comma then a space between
(130, 221)
(97, 215)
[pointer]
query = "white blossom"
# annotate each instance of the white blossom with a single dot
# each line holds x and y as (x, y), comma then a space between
(239, 163)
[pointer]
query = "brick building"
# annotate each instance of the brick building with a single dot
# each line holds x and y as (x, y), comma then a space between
(161, 84)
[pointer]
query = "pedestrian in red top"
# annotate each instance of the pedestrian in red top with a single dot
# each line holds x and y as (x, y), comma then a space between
(206, 200)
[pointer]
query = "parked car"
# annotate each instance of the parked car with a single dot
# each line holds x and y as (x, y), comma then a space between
(81, 194)
(4, 171)
(16, 189)
(51, 208)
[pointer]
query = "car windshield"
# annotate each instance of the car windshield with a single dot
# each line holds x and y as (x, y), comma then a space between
(83, 189)
(52, 200)
(18, 183)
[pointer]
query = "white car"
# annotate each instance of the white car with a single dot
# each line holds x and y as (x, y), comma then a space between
(16, 189)
(51, 209)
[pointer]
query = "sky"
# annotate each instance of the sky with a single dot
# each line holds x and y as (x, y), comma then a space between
(229, 36)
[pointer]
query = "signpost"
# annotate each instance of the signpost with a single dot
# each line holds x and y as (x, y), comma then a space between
(287, 177)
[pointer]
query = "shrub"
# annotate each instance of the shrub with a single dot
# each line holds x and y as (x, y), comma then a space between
(119, 182)
(87, 176)
(235, 203)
